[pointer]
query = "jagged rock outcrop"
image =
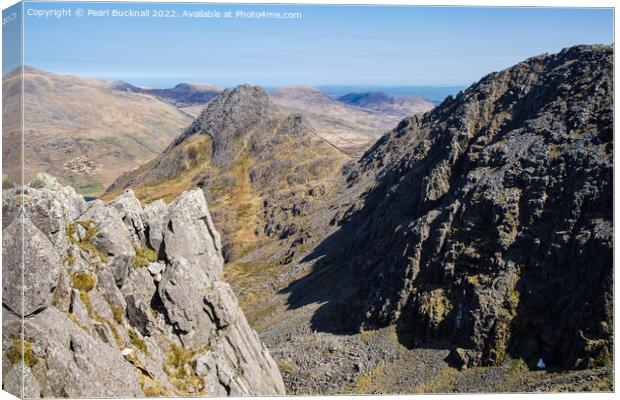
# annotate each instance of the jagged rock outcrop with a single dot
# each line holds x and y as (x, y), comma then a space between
(122, 301)
(487, 222)
(241, 150)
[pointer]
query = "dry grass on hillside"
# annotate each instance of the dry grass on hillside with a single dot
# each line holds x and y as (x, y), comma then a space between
(71, 122)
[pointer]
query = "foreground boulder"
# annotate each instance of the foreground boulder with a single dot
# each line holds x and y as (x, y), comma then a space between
(107, 315)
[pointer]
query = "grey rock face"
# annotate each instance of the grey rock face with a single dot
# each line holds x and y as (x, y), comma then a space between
(51, 205)
(241, 357)
(100, 321)
(113, 240)
(139, 315)
(180, 290)
(190, 234)
(153, 216)
(39, 263)
(19, 374)
(79, 364)
(130, 210)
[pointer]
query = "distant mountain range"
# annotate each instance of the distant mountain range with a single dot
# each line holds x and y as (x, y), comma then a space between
(87, 132)
(348, 126)
(400, 106)
(434, 94)
(182, 95)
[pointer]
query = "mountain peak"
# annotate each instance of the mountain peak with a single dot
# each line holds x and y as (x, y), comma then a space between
(245, 94)
(231, 114)
(239, 149)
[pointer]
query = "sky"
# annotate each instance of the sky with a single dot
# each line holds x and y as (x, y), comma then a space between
(329, 45)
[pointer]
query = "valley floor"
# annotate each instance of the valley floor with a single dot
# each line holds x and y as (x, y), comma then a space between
(314, 360)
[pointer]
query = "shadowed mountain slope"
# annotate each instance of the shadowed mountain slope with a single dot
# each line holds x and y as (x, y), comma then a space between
(484, 226)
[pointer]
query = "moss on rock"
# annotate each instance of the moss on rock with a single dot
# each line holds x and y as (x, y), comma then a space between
(91, 228)
(144, 256)
(118, 313)
(435, 305)
(82, 281)
(21, 350)
(179, 367)
(137, 342)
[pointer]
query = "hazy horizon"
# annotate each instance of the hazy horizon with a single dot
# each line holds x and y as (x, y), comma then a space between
(434, 93)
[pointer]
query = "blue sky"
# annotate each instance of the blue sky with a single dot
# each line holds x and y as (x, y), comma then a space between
(330, 45)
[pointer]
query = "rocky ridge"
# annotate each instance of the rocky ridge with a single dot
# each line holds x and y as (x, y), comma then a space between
(485, 225)
(121, 301)
(473, 234)
(244, 152)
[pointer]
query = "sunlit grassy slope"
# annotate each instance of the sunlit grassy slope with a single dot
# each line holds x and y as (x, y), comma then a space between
(83, 131)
